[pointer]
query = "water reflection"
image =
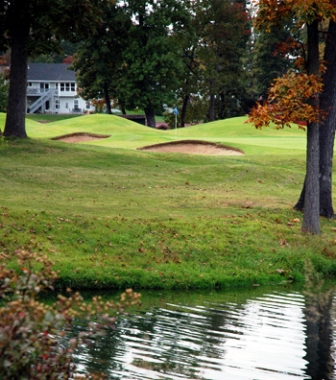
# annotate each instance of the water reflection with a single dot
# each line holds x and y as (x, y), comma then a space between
(277, 334)
(319, 335)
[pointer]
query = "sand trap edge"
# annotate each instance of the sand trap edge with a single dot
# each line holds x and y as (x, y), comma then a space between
(196, 142)
(94, 135)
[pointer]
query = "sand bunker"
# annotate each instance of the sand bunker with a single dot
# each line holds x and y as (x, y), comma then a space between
(80, 137)
(181, 146)
(194, 147)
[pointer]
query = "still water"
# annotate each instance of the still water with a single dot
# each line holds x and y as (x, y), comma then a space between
(265, 333)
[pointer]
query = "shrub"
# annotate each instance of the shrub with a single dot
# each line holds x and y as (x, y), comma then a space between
(30, 330)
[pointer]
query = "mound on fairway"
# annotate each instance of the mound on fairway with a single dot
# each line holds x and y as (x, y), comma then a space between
(193, 147)
(80, 137)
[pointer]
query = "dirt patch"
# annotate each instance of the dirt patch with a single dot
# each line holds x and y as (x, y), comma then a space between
(80, 137)
(194, 147)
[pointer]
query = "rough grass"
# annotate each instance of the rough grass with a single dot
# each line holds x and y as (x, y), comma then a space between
(113, 217)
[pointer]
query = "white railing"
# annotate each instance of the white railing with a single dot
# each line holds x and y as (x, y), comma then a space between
(40, 91)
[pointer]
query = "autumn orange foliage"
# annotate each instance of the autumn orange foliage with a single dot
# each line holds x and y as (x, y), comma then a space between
(270, 12)
(291, 97)
(289, 101)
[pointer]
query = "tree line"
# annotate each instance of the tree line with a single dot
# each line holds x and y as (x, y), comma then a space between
(196, 55)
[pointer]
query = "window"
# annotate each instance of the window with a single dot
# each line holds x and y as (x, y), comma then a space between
(76, 104)
(66, 105)
(87, 105)
(44, 87)
(67, 86)
(57, 104)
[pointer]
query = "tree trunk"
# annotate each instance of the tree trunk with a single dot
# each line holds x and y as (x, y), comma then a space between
(184, 109)
(327, 128)
(16, 110)
(107, 99)
(300, 203)
(221, 112)
(150, 117)
(311, 211)
(212, 108)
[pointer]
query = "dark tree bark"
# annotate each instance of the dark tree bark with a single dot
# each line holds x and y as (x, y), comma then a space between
(184, 109)
(300, 203)
(212, 108)
(311, 210)
(16, 110)
(327, 128)
(107, 99)
(221, 112)
(150, 117)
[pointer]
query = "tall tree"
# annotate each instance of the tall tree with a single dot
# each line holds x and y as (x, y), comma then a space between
(327, 127)
(296, 96)
(32, 27)
(98, 62)
(266, 61)
(187, 41)
(222, 33)
(151, 62)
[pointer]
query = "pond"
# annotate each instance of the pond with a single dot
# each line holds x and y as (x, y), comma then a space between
(263, 333)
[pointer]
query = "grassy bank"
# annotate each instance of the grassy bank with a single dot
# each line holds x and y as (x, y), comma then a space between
(49, 118)
(114, 217)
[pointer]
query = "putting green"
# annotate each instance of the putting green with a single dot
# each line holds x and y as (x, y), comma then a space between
(126, 134)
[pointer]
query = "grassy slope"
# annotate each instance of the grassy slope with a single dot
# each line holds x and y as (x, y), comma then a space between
(120, 217)
(128, 135)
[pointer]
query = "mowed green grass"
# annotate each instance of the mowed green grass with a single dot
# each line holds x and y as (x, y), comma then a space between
(111, 216)
(129, 135)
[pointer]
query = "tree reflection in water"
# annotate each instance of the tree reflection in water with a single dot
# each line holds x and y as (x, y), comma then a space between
(261, 334)
(319, 334)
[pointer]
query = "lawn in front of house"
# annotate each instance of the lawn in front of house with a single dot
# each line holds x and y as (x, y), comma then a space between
(114, 217)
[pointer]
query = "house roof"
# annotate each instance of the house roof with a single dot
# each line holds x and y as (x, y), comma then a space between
(50, 72)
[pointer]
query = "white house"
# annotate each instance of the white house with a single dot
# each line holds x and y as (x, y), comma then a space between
(52, 88)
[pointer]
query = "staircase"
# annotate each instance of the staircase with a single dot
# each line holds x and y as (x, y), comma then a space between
(41, 100)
